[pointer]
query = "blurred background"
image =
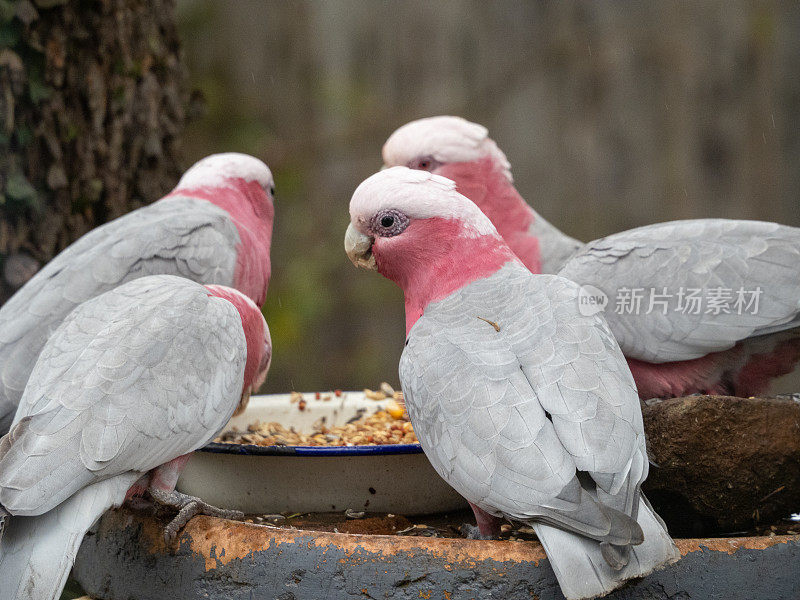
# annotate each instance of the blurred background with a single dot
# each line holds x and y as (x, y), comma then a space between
(613, 115)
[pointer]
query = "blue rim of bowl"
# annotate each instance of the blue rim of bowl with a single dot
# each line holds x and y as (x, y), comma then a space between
(253, 450)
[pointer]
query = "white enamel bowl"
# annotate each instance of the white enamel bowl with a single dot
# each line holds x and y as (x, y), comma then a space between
(298, 479)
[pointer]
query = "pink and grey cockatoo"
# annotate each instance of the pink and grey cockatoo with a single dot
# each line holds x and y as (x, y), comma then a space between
(130, 383)
(214, 227)
(673, 347)
(523, 404)
(462, 151)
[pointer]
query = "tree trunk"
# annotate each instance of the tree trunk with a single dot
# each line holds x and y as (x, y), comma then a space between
(92, 97)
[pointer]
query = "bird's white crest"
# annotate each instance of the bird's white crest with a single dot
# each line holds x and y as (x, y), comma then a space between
(447, 139)
(419, 195)
(214, 170)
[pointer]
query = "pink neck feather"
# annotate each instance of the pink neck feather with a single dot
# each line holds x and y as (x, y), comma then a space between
(435, 257)
(254, 334)
(252, 213)
(485, 183)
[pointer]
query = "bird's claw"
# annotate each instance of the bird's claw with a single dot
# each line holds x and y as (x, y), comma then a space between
(473, 532)
(188, 507)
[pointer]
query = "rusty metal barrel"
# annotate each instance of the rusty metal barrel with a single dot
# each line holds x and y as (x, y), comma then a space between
(126, 558)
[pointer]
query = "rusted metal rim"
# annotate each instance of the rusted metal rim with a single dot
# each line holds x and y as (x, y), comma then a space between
(127, 559)
(254, 450)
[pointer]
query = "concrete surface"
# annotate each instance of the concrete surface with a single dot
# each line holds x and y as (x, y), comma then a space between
(126, 559)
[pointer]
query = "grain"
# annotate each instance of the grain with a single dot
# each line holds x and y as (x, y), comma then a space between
(389, 425)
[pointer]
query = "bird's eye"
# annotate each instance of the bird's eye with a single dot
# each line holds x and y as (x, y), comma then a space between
(388, 223)
(272, 190)
(424, 163)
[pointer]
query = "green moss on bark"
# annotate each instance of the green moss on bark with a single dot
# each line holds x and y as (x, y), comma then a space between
(92, 98)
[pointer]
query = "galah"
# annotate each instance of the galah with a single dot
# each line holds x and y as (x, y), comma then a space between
(130, 383)
(462, 151)
(215, 227)
(522, 403)
(741, 334)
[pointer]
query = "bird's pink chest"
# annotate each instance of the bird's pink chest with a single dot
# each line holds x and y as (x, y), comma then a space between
(252, 214)
(253, 269)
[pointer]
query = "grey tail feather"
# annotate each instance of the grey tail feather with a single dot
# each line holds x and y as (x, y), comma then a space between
(582, 565)
(592, 519)
(6, 420)
(620, 529)
(4, 517)
(616, 556)
(37, 553)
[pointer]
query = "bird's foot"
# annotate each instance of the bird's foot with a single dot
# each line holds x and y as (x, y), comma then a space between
(188, 507)
(488, 525)
(473, 532)
(138, 503)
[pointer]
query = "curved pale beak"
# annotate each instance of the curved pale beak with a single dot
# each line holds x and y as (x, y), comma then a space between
(359, 248)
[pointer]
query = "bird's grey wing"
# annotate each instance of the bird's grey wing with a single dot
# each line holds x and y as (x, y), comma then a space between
(555, 247)
(178, 235)
(746, 275)
(132, 379)
(484, 427)
(583, 382)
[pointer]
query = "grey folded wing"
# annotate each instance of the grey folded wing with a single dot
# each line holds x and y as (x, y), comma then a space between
(178, 235)
(507, 417)
(132, 379)
(746, 275)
